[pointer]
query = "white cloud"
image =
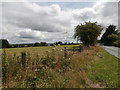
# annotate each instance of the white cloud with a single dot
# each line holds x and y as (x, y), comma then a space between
(106, 12)
(29, 22)
(28, 33)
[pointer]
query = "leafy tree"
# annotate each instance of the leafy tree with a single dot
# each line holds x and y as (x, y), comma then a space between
(4, 43)
(88, 33)
(37, 44)
(110, 30)
(43, 44)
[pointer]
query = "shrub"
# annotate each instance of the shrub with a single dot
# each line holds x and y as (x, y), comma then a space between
(117, 43)
(48, 60)
(65, 64)
(112, 38)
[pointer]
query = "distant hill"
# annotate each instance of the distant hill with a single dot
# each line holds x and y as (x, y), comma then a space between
(4, 43)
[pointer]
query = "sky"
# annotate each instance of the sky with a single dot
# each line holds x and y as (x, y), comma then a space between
(30, 22)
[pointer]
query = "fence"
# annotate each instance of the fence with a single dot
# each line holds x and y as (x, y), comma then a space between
(73, 49)
(76, 48)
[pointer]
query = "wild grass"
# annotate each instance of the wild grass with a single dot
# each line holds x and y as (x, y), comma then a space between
(46, 67)
(104, 70)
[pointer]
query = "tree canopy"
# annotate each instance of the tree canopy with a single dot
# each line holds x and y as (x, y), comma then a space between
(88, 33)
(110, 35)
(4, 43)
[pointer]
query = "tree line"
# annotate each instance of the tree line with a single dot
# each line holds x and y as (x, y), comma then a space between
(5, 44)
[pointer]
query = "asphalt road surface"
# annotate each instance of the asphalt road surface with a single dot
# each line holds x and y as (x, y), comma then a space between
(112, 50)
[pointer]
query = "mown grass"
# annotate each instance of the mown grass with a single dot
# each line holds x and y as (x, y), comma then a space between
(46, 67)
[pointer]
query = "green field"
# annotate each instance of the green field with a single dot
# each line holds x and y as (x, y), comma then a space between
(46, 67)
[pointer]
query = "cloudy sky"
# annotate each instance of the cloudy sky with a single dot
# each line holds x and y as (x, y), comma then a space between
(28, 21)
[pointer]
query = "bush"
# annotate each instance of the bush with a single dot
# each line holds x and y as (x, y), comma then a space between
(117, 43)
(65, 64)
(112, 38)
(48, 60)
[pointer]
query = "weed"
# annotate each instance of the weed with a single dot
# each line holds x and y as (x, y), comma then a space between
(65, 64)
(49, 61)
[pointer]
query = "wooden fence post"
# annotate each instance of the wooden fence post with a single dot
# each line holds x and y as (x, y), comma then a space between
(65, 52)
(23, 60)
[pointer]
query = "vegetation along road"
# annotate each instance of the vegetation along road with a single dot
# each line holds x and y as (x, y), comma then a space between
(112, 50)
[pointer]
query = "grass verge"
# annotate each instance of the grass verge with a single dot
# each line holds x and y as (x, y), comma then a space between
(104, 70)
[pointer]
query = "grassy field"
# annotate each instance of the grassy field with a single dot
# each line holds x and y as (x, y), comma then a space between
(46, 67)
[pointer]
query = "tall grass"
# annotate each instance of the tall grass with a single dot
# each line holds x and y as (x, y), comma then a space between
(35, 73)
(48, 68)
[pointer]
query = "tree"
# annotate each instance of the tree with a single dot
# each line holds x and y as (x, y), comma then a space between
(37, 44)
(43, 44)
(88, 33)
(110, 30)
(4, 43)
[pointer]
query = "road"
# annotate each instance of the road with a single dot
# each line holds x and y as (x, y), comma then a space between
(112, 50)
